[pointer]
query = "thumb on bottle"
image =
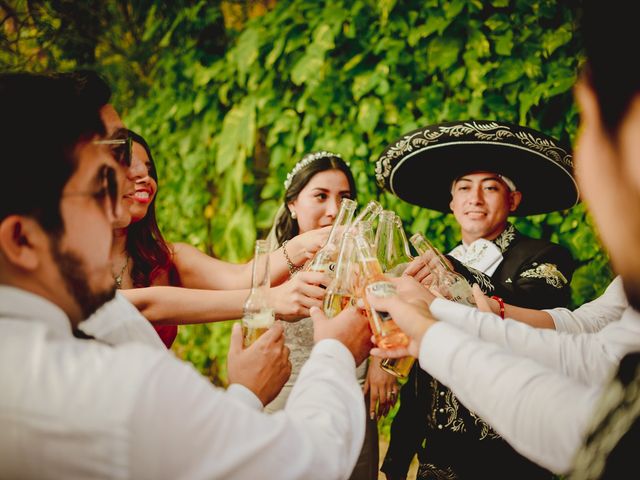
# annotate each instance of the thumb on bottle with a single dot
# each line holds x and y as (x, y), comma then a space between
(317, 315)
(235, 344)
(481, 299)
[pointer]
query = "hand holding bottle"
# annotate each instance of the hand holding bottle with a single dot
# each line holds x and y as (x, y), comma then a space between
(350, 327)
(303, 247)
(412, 320)
(293, 299)
(263, 367)
(422, 268)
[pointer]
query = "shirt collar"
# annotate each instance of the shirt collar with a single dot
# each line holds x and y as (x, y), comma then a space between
(19, 304)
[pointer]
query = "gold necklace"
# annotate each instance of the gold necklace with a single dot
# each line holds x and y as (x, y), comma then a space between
(118, 278)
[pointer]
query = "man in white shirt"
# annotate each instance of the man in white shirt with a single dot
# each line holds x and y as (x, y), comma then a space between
(72, 407)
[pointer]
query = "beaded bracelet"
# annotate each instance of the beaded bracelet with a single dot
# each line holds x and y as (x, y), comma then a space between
(501, 303)
(292, 267)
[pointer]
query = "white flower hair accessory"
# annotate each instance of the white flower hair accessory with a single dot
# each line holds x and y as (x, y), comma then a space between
(306, 160)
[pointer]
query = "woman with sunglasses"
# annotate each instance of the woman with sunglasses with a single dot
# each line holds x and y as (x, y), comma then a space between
(216, 290)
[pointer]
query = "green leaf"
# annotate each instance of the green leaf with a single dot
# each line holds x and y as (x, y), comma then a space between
(364, 83)
(246, 52)
(237, 136)
(369, 113)
(275, 52)
(443, 52)
(504, 44)
(453, 8)
(551, 41)
(508, 71)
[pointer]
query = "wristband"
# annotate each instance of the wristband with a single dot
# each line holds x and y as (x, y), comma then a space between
(501, 303)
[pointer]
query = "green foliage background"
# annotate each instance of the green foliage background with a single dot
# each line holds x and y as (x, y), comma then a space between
(228, 112)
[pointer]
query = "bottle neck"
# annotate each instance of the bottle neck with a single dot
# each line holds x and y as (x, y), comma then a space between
(260, 278)
(342, 221)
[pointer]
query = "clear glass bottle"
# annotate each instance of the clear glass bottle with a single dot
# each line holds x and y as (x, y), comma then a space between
(368, 213)
(393, 253)
(450, 284)
(365, 228)
(387, 334)
(325, 259)
(340, 291)
(258, 315)
(392, 248)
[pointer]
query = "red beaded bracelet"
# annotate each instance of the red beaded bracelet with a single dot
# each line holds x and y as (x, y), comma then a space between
(501, 303)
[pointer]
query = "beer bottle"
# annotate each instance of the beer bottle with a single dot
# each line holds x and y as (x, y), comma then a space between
(387, 334)
(258, 315)
(324, 260)
(340, 291)
(449, 284)
(368, 213)
(392, 250)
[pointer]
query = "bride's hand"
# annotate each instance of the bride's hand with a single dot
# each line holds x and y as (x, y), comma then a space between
(304, 246)
(293, 299)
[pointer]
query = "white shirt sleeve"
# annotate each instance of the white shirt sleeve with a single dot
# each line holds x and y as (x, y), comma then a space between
(542, 414)
(118, 322)
(185, 428)
(588, 358)
(595, 315)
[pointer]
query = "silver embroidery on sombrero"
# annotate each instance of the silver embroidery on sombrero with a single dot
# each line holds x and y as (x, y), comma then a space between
(547, 147)
(406, 144)
(549, 272)
(482, 131)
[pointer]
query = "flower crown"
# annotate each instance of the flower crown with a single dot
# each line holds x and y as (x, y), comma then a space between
(306, 160)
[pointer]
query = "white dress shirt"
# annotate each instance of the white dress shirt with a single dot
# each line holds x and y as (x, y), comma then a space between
(118, 321)
(594, 315)
(73, 408)
(590, 358)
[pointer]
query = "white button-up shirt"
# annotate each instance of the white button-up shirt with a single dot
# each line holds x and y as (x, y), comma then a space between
(73, 408)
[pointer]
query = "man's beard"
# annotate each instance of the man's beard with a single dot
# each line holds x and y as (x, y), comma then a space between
(76, 280)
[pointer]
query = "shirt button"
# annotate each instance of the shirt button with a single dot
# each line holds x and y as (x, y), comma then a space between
(439, 427)
(441, 410)
(442, 394)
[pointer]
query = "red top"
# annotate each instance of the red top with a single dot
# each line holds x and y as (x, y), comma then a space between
(167, 333)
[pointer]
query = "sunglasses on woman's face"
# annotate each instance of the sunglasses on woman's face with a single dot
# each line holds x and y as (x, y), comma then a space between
(121, 147)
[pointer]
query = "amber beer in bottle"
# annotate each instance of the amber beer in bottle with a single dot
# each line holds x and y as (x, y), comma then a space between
(340, 291)
(387, 334)
(258, 315)
(324, 260)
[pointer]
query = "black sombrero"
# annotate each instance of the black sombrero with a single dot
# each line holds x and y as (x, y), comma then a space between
(420, 167)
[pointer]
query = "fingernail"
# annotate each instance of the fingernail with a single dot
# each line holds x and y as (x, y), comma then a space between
(382, 289)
